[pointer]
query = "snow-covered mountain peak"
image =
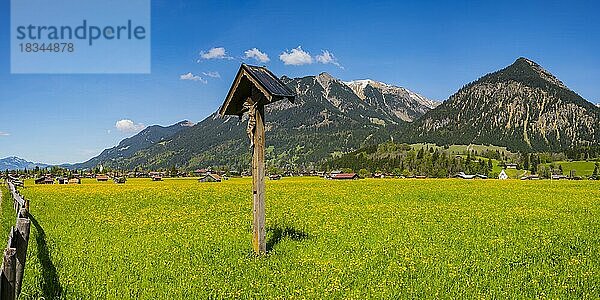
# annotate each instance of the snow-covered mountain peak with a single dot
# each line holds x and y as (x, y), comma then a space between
(359, 86)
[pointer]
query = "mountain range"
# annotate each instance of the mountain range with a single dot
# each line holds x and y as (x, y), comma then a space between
(328, 116)
(128, 147)
(522, 107)
(16, 163)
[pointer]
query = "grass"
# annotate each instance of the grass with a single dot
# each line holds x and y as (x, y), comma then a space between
(515, 174)
(8, 216)
(582, 168)
(439, 238)
(459, 150)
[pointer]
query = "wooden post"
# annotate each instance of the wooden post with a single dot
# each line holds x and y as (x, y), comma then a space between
(7, 283)
(252, 89)
(258, 182)
(23, 213)
(22, 239)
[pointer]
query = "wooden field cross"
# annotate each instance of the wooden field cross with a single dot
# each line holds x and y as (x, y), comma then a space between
(252, 89)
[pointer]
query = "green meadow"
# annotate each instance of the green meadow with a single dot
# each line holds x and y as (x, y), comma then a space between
(582, 168)
(386, 238)
(7, 212)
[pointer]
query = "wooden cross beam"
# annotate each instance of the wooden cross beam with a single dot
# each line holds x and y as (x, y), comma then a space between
(252, 89)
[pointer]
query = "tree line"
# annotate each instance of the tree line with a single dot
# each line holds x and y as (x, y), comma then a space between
(404, 160)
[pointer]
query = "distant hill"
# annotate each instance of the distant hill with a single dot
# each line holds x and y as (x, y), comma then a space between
(150, 136)
(522, 106)
(16, 163)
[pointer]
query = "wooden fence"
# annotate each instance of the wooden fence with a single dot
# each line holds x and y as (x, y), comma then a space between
(13, 264)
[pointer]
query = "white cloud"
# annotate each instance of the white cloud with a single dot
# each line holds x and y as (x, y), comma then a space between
(215, 53)
(327, 57)
(2, 133)
(256, 54)
(129, 126)
(192, 77)
(212, 74)
(296, 57)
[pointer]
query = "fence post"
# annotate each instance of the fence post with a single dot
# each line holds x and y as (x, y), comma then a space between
(13, 264)
(21, 239)
(23, 213)
(8, 274)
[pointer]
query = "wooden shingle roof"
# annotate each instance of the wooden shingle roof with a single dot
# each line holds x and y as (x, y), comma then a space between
(251, 81)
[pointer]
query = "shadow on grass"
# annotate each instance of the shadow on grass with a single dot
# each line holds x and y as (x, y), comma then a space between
(50, 284)
(276, 234)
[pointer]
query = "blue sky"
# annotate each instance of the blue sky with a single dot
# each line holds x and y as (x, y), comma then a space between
(430, 47)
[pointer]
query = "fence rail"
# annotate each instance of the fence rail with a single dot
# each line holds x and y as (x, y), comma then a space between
(15, 254)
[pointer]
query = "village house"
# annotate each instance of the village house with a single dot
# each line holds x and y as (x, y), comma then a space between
(44, 180)
(345, 176)
(462, 175)
(161, 174)
(502, 175)
(210, 178)
(201, 172)
(102, 178)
